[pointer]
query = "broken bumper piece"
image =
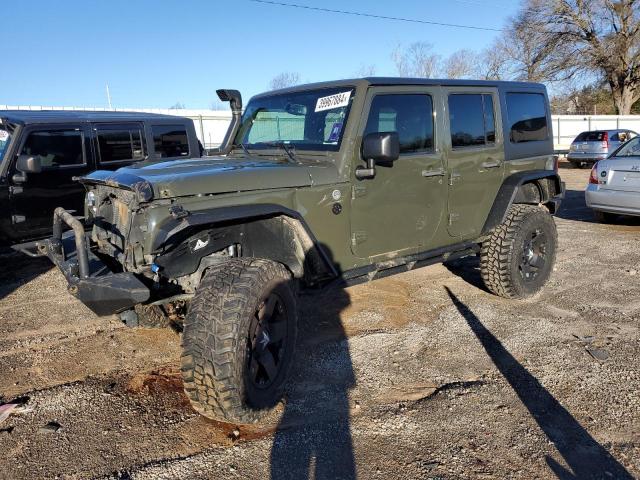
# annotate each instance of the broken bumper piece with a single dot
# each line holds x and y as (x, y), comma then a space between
(90, 280)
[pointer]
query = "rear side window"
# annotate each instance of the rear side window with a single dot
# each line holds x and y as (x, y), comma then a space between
(170, 141)
(119, 143)
(527, 117)
(471, 120)
(56, 148)
(591, 137)
(410, 115)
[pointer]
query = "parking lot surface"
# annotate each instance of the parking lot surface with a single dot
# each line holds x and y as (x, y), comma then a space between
(420, 375)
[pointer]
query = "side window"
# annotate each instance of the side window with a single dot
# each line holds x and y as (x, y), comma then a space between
(527, 117)
(121, 143)
(410, 115)
(170, 141)
(471, 120)
(56, 148)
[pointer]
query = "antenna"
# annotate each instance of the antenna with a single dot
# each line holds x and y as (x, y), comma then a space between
(108, 96)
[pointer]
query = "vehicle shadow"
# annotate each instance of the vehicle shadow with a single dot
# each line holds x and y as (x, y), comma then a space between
(584, 456)
(313, 439)
(18, 269)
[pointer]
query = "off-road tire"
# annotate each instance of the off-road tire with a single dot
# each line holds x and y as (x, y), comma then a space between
(151, 316)
(503, 250)
(604, 217)
(215, 354)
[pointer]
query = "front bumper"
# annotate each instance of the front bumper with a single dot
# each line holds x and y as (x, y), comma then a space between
(612, 201)
(89, 279)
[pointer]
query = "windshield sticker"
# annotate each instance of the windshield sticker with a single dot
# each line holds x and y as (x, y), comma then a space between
(334, 136)
(333, 101)
(4, 135)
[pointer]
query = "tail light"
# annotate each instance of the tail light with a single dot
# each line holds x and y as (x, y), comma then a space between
(605, 140)
(593, 178)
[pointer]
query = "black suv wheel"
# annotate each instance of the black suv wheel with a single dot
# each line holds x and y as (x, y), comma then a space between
(518, 257)
(238, 340)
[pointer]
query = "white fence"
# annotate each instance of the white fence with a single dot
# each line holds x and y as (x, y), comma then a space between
(567, 127)
(211, 125)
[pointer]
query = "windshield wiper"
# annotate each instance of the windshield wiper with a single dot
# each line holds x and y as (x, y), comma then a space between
(287, 148)
(245, 149)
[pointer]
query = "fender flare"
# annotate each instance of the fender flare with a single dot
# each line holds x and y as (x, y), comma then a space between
(175, 231)
(509, 190)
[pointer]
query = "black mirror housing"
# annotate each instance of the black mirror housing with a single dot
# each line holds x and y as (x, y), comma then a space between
(381, 147)
(28, 164)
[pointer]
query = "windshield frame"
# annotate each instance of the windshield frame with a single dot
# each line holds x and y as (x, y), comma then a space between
(249, 115)
(7, 144)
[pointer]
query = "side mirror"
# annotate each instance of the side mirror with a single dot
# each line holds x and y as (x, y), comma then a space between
(382, 148)
(26, 164)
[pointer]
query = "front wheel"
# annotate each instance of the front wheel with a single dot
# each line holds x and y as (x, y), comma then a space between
(518, 257)
(238, 340)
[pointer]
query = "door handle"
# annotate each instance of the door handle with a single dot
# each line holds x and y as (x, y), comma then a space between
(491, 164)
(433, 173)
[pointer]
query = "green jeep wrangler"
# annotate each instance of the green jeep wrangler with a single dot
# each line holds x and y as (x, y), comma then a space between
(329, 183)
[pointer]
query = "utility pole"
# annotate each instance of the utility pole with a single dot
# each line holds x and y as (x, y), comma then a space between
(108, 96)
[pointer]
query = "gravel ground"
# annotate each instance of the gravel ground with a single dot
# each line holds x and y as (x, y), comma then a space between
(421, 375)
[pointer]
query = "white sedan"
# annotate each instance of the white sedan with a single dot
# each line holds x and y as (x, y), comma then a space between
(614, 184)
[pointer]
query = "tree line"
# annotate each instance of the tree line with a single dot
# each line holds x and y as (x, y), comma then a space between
(587, 50)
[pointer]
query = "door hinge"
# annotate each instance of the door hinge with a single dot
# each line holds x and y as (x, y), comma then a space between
(454, 177)
(358, 191)
(14, 189)
(17, 218)
(358, 238)
(453, 217)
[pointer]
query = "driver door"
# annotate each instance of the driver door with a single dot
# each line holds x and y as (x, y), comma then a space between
(400, 209)
(63, 152)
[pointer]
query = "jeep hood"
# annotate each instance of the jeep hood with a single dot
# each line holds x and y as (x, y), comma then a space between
(212, 175)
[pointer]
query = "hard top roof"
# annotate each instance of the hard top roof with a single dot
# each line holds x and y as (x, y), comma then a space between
(401, 81)
(65, 116)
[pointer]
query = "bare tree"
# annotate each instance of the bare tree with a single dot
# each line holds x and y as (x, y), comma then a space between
(416, 60)
(593, 36)
(461, 64)
(365, 71)
(177, 106)
(284, 80)
(493, 63)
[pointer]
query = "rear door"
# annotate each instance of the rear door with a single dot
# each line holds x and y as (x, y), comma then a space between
(64, 152)
(475, 157)
(118, 144)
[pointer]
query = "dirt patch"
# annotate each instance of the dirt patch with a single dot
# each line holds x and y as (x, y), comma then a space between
(421, 375)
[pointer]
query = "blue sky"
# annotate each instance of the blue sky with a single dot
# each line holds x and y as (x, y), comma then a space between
(156, 53)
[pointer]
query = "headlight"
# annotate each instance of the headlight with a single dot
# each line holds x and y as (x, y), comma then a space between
(91, 202)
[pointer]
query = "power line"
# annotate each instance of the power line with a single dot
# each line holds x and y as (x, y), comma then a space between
(371, 15)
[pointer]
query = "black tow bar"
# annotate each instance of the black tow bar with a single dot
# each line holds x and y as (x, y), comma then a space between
(61, 215)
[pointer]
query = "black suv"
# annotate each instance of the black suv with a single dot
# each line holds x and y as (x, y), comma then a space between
(42, 151)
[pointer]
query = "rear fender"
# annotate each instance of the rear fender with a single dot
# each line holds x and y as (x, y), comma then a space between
(549, 190)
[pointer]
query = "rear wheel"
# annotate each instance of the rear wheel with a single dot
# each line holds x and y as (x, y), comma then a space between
(517, 258)
(238, 340)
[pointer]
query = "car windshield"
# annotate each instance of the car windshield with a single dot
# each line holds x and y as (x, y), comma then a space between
(306, 120)
(5, 136)
(629, 149)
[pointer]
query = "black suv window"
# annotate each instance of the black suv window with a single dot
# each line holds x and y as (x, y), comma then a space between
(56, 148)
(119, 143)
(170, 141)
(527, 117)
(410, 115)
(471, 120)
